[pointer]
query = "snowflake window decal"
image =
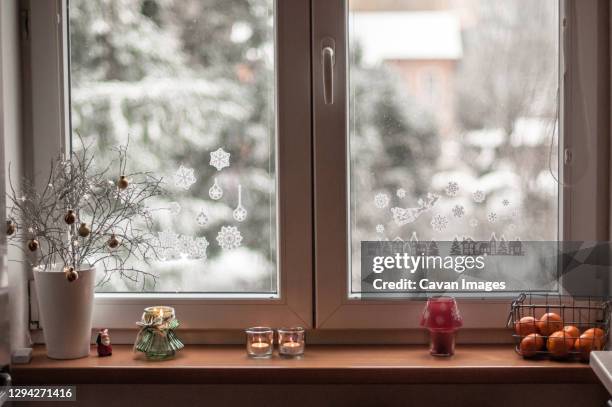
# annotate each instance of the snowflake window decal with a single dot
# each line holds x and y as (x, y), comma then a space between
(193, 248)
(381, 200)
(458, 211)
(240, 213)
(202, 218)
(439, 223)
(185, 246)
(215, 192)
(220, 159)
(479, 196)
(380, 229)
(403, 216)
(167, 241)
(430, 202)
(201, 244)
(401, 193)
(506, 202)
(492, 217)
(184, 178)
(175, 246)
(229, 237)
(452, 188)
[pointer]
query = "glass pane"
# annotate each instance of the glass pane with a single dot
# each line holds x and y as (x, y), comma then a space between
(191, 84)
(453, 116)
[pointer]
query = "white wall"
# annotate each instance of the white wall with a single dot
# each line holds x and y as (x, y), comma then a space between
(12, 153)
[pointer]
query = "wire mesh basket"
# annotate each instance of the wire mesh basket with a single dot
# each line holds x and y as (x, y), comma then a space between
(582, 312)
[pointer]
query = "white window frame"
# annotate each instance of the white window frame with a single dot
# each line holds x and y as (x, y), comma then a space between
(584, 40)
(48, 74)
(306, 124)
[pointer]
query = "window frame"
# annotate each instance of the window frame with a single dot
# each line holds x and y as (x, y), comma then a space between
(312, 168)
(580, 216)
(48, 73)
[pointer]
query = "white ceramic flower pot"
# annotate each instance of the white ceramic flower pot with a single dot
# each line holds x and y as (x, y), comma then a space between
(66, 310)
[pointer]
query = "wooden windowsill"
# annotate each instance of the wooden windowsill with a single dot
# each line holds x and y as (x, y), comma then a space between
(207, 364)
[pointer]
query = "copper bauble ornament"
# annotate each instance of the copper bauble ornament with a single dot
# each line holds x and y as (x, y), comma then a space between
(123, 182)
(84, 231)
(70, 217)
(113, 242)
(71, 274)
(11, 227)
(33, 245)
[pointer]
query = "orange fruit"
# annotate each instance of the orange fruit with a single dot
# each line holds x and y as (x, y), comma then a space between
(596, 331)
(549, 323)
(526, 326)
(531, 344)
(559, 344)
(588, 342)
(571, 331)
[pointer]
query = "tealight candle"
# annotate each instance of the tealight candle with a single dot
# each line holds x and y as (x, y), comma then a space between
(291, 341)
(156, 337)
(259, 342)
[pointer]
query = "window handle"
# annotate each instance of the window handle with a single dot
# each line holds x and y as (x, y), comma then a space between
(328, 61)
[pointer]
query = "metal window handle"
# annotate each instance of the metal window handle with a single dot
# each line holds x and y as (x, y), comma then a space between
(328, 60)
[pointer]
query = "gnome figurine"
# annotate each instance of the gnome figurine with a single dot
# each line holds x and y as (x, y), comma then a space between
(104, 345)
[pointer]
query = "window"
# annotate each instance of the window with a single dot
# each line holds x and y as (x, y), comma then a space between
(475, 165)
(345, 121)
(211, 96)
(479, 164)
(200, 117)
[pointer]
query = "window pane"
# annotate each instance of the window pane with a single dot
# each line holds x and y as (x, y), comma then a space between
(453, 116)
(191, 83)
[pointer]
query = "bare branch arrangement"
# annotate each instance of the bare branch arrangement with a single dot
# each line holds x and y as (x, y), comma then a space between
(85, 217)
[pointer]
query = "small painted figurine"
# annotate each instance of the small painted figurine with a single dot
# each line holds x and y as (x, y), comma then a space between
(104, 345)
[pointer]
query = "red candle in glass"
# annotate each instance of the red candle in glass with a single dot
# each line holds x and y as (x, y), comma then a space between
(441, 316)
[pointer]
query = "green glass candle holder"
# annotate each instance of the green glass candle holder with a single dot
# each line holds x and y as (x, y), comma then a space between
(156, 338)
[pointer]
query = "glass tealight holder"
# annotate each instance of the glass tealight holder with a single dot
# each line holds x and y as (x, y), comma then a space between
(291, 342)
(259, 342)
(156, 338)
